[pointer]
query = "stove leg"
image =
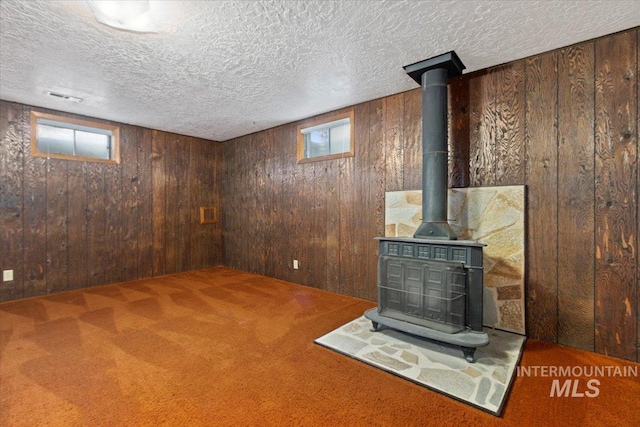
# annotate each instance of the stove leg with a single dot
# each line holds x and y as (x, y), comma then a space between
(375, 326)
(468, 353)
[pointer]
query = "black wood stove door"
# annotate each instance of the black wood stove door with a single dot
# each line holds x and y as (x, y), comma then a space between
(425, 292)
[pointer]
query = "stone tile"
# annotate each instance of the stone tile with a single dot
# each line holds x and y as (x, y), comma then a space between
(401, 345)
(484, 361)
(409, 357)
(497, 395)
(390, 230)
(509, 292)
(376, 341)
(351, 327)
(472, 372)
(396, 199)
(453, 360)
(365, 335)
(347, 344)
(452, 381)
(483, 391)
(389, 350)
(389, 362)
(500, 374)
(512, 316)
(405, 230)
(414, 198)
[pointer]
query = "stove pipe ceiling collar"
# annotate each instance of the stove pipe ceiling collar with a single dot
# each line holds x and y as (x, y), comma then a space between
(433, 75)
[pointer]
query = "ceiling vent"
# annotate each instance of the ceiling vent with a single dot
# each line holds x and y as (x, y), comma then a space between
(65, 97)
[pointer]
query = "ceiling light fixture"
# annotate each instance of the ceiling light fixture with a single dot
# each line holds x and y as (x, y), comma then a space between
(129, 15)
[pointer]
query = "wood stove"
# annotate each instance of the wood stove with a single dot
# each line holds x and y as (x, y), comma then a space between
(431, 285)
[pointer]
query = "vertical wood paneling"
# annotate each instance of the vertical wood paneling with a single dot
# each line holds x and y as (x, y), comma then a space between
(186, 214)
(83, 223)
(231, 206)
(377, 153)
(276, 211)
(541, 141)
(616, 195)
(319, 227)
(247, 192)
(412, 137)
(576, 196)
(274, 201)
(130, 192)
(35, 214)
(458, 132)
(57, 255)
(346, 180)
(291, 219)
(509, 128)
(394, 142)
(145, 204)
(482, 129)
(77, 219)
(197, 161)
(11, 199)
(159, 202)
(240, 221)
(247, 195)
(96, 230)
(113, 227)
(256, 202)
(215, 181)
(282, 232)
(270, 201)
(333, 227)
(304, 203)
(362, 274)
(530, 121)
(211, 173)
(281, 212)
(262, 179)
(171, 215)
(638, 193)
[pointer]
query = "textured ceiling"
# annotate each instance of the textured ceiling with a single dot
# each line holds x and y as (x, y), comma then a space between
(222, 69)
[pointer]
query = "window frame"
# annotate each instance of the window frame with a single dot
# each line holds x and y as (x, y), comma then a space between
(115, 138)
(320, 121)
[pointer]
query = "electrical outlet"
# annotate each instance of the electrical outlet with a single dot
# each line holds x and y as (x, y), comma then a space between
(295, 264)
(7, 275)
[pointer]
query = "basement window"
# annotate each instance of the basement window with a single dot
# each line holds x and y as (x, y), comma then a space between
(60, 137)
(327, 138)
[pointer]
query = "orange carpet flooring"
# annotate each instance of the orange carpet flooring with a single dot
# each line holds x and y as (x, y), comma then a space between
(221, 347)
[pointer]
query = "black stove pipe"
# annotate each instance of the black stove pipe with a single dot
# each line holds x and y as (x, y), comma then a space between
(433, 75)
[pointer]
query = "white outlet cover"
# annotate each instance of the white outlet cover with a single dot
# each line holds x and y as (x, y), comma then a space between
(295, 264)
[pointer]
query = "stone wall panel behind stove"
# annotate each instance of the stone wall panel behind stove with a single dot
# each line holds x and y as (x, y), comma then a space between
(494, 216)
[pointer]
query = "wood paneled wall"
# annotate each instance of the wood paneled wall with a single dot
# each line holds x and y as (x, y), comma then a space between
(326, 214)
(68, 224)
(565, 123)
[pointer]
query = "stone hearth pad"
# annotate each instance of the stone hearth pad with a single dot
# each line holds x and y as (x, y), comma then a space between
(484, 384)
